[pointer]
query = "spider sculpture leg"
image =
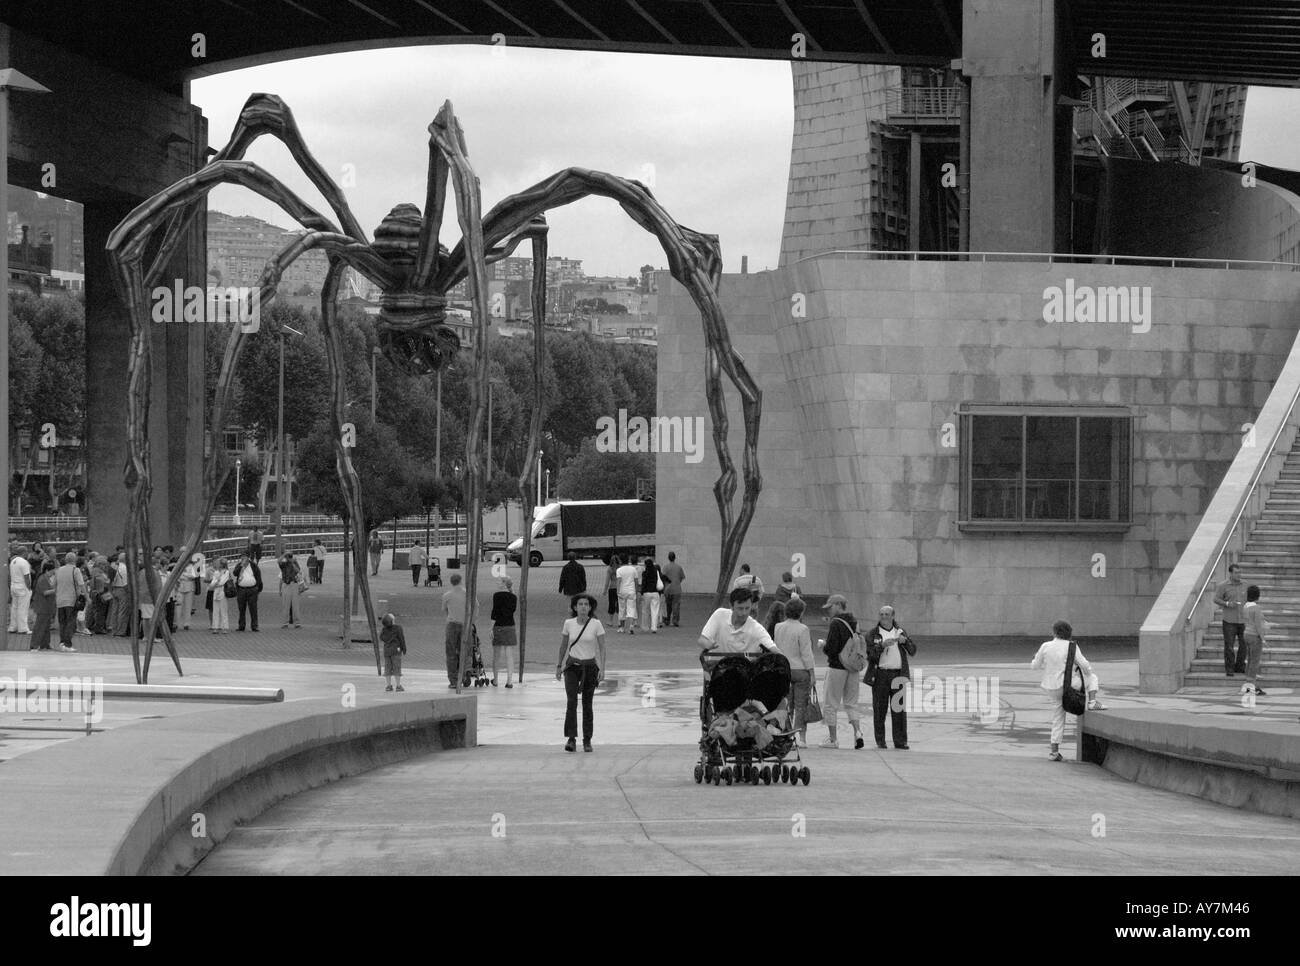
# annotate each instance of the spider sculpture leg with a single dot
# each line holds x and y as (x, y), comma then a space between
(445, 131)
(126, 250)
(695, 261)
(348, 479)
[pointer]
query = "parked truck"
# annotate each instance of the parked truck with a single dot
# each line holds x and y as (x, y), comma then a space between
(589, 528)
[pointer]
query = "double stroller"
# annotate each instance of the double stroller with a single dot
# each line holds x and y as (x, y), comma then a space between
(745, 721)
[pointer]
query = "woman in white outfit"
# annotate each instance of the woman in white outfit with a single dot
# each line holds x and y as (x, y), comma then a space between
(1050, 659)
(189, 575)
(220, 606)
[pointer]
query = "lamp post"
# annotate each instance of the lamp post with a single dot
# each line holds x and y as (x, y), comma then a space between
(540, 454)
(456, 473)
(279, 451)
(238, 466)
(374, 394)
(10, 80)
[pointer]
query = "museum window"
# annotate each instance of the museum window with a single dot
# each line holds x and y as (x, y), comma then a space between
(1053, 468)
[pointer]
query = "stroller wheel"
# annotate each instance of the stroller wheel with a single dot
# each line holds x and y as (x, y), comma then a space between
(805, 774)
(727, 773)
(699, 774)
(785, 773)
(766, 775)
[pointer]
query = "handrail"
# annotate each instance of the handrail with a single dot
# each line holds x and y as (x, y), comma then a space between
(1052, 258)
(1245, 501)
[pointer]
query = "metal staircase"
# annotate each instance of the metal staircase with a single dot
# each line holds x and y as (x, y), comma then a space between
(1271, 559)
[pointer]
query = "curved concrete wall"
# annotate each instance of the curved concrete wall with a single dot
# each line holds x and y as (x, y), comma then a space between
(1175, 210)
(856, 393)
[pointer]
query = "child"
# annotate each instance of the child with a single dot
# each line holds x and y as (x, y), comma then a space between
(394, 647)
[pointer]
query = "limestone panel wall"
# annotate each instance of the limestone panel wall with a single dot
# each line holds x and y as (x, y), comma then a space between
(833, 169)
(858, 391)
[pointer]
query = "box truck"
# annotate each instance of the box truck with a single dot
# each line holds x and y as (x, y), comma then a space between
(589, 528)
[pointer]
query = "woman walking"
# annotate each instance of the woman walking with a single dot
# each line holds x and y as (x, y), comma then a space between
(217, 590)
(582, 666)
(376, 550)
(611, 585)
(794, 641)
(290, 577)
(651, 587)
(504, 641)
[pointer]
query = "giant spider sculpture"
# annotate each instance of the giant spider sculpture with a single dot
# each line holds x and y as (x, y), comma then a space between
(414, 273)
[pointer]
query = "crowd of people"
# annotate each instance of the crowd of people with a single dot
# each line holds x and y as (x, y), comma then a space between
(85, 592)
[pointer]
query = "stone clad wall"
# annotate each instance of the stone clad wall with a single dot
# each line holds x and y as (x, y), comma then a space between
(833, 170)
(858, 391)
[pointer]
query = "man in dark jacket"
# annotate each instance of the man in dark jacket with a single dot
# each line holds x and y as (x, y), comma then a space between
(248, 584)
(573, 578)
(888, 673)
(841, 683)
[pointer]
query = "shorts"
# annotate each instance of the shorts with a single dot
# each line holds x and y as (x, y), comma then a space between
(393, 665)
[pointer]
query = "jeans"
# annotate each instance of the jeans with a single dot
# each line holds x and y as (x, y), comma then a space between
(800, 692)
(1238, 631)
(246, 598)
(613, 602)
(452, 645)
(579, 676)
(67, 624)
(886, 698)
(841, 690)
(415, 574)
(119, 615)
(1255, 654)
(673, 611)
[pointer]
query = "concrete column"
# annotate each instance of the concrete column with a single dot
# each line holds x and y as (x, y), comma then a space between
(1009, 55)
(914, 194)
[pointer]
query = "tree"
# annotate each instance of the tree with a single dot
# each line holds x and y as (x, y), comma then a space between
(389, 482)
(592, 475)
(306, 385)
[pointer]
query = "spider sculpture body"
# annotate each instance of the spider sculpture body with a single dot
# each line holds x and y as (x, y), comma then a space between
(414, 273)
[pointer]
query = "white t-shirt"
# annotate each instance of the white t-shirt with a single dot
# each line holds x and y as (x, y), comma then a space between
(749, 637)
(319, 552)
(585, 647)
(247, 578)
(417, 555)
(890, 658)
(626, 575)
(19, 570)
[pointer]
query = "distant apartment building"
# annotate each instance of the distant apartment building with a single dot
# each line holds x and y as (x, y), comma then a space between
(239, 247)
(55, 221)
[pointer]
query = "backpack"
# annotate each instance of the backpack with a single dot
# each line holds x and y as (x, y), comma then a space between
(854, 653)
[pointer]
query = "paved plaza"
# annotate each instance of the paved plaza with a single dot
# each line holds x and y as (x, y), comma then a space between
(973, 795)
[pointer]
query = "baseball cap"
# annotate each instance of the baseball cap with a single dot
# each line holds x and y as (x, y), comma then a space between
(835, 599)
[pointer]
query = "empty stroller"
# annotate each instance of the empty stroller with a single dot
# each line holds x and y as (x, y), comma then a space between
(744, 719)
(476, 672)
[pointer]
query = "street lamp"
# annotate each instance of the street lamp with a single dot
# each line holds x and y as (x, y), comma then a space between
(456, 471)
(540, 454)
(374, 395)
(238, 465)
(279, 451)
(10, 80)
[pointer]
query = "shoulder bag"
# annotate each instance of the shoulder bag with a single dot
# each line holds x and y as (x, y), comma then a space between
(1074, 700)
(813, 713)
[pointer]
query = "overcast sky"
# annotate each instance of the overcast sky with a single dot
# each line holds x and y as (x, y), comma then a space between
(710, 136)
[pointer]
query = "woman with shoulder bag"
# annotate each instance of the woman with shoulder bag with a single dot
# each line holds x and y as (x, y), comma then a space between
(582, 666)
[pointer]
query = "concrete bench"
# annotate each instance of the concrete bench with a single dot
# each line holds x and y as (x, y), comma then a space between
(1247, 762)
(156, 796)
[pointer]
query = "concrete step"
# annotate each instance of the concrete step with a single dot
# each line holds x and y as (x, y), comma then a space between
(1216, 679)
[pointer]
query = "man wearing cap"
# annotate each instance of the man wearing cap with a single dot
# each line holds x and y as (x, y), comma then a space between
(841, 683)
(733, 629)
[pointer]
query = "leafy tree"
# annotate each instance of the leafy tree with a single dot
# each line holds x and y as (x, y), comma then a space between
(592, 475)
(306, 386)
(389, 482)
